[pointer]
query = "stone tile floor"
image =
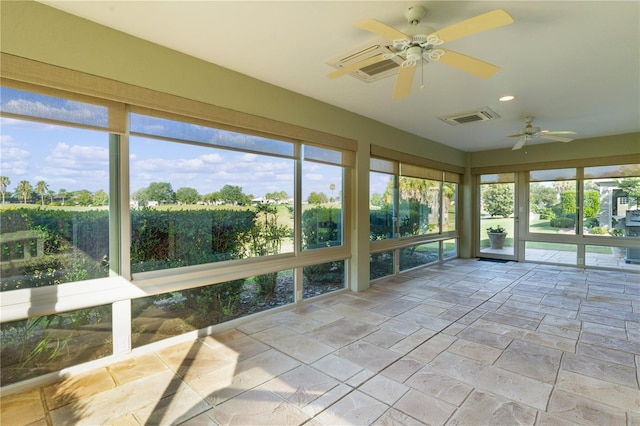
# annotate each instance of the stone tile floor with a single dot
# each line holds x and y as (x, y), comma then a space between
(464, 343)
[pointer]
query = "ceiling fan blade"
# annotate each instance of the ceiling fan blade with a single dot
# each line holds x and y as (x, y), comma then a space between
(520, 143)
(355, 66)
(517, 135)
(486, 21)
(381, 29)
(404, 82)
(555, 138)
(558, 132)
(468, 64)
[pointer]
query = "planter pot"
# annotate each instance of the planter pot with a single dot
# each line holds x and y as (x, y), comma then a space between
(496, 239)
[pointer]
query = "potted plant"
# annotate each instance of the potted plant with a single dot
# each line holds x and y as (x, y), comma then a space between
(497, 235)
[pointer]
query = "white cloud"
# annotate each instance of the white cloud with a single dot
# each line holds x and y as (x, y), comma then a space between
(314, 177)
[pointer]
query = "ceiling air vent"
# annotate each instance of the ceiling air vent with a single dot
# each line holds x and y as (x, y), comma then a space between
(372, 72)
(484, 114)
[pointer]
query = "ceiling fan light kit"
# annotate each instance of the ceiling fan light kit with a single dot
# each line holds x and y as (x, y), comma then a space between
(419, 46)
(530, 132)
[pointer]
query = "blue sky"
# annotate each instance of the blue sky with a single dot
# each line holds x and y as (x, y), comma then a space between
(73, 159)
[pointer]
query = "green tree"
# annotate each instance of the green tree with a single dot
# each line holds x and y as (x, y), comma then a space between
(41, 188)
(233, 194)
(317, 198)
(24, 190)
(84, 198)
(632, 187)
(4, 184)
(568, 201)
(100, 198)
(541, 197)
(161, 192)
(497, 199)
(187, 195)
(591, 203)
(376, 200)
(277, 196)
(332, 187)
(212, 197)
(51, 193)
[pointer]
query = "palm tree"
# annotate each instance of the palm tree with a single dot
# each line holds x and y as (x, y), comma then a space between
(62, 193)
(4, 184)
(42, 188)
(51, 193)
(25, 189)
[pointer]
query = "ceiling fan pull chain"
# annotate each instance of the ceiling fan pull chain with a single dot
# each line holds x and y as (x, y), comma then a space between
(422, 75)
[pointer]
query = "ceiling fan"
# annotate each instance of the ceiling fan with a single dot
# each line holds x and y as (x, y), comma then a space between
(529, 132)
(420, 45)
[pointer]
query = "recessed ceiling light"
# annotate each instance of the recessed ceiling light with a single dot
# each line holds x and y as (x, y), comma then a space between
(507, 98)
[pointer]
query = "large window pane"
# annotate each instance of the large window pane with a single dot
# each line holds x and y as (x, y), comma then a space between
(322, 224)
(55, 197)
(418, 206)
(381, 206)
(611, 199)
(40, 345)
(553, 201)
(193, 204)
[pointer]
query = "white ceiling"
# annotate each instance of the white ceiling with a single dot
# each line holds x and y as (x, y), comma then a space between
(572, 65)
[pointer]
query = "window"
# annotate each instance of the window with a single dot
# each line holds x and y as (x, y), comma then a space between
(553, 201)
(412, 206)
(55, 192)
(241, 205)
(322, 194)
(610, 194)
(194, 204)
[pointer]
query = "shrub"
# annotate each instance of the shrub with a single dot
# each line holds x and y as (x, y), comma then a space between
(562, 222)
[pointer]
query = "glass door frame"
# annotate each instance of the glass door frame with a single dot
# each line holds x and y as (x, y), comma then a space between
(479, 228)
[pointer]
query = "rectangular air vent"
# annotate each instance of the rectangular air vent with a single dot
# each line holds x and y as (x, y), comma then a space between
(372, 72)
(483, 114)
